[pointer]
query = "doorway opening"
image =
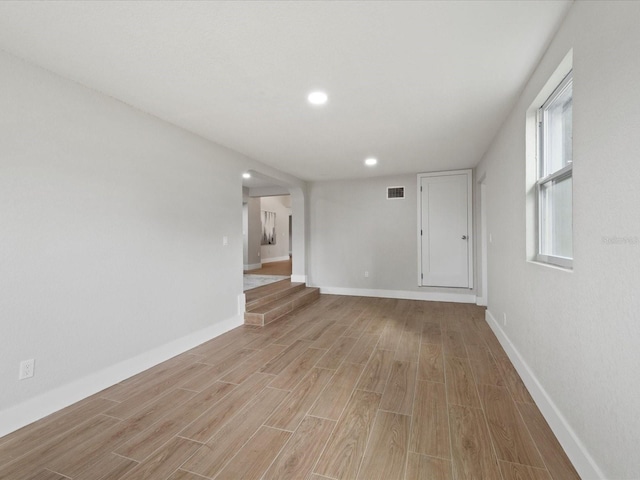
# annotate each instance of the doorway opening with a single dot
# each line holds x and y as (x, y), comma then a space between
(281, 248)
(266, 227)
(273, 262)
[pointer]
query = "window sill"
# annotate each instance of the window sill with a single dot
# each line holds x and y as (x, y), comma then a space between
(550, 265)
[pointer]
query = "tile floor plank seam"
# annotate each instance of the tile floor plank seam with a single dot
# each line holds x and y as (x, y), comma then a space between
(527, 429)
(291, 443)
(486, 421)
(324, 448)
(342, 421)
(400, 340)
(249, 437)
(523, 422)
(413, 406)
(118, 444)
(225, 463)
(494, 448)
(366, 447)
(446, 396)
(544, 459)
(313, 407)
(154, 451)
(343, 410)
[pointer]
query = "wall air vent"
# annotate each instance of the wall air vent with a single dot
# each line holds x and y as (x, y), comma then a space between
(395, 193)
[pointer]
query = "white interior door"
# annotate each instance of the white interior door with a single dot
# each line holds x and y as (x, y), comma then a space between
(445, 229)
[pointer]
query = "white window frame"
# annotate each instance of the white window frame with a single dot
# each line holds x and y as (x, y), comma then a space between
(543, 178)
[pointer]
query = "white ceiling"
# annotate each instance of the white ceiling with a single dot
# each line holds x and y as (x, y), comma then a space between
(423, 86)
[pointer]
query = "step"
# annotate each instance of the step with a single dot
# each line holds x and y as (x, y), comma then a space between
(264, 314)
(269, 293)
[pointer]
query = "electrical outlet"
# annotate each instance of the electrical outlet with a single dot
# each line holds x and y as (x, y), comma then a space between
(225, 241)
(504, 319)
(366, 274)
(26, 369)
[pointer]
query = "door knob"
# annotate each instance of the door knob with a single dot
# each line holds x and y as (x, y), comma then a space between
(464, 237)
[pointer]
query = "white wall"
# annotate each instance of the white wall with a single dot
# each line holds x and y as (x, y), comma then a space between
(112, 224)
(254, 231)
(245, 234)
(576, 335)
(281, 205)
(354, 228)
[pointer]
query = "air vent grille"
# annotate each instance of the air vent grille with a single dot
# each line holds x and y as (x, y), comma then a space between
(394, 193)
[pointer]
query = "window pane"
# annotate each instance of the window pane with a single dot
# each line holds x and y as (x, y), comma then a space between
(558, 135)
(556, 218)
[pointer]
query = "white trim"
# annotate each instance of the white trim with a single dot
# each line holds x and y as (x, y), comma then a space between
(531, 154)
(29, 411)
(562, 263)
(470, 232)
(242, 303)
(564, 172)
(298, 278)
(401, 294)
(484, 239)
(550, 265)
(276, 259)
(252, 266)
(574, 448)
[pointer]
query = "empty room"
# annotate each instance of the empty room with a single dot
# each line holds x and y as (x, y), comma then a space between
(319, 240)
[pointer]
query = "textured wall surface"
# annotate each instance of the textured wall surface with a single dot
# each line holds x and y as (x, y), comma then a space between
(253, 232)
(578, 331)
(112, 226)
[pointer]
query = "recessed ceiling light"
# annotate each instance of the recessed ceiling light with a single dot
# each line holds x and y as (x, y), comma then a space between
(317, 98)
(370, 162)
(246, 175)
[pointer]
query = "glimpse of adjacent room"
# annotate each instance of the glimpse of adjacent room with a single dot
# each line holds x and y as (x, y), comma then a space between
(266, 231)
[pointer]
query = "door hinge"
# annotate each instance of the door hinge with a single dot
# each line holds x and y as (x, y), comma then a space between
(422, 276)
(420, 232)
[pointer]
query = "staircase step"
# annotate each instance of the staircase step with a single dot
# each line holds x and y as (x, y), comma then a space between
(266, 313)
(269, 293)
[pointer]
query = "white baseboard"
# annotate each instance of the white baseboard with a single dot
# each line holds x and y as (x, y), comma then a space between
(402, 294)
(29, 411)
(275, 259)
(299, 278)
(573, 447)
(481, 301)
(252, 266)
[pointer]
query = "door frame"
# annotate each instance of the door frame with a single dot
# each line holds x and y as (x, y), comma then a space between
(483, 300)
(470, 234)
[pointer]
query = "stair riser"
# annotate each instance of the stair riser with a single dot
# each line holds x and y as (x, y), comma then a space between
(254, 319)
(262, 319)
(275, 296)
(310, 297)
(298, 303)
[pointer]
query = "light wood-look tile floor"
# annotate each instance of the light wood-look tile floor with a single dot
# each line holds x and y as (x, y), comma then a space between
(347, 388)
